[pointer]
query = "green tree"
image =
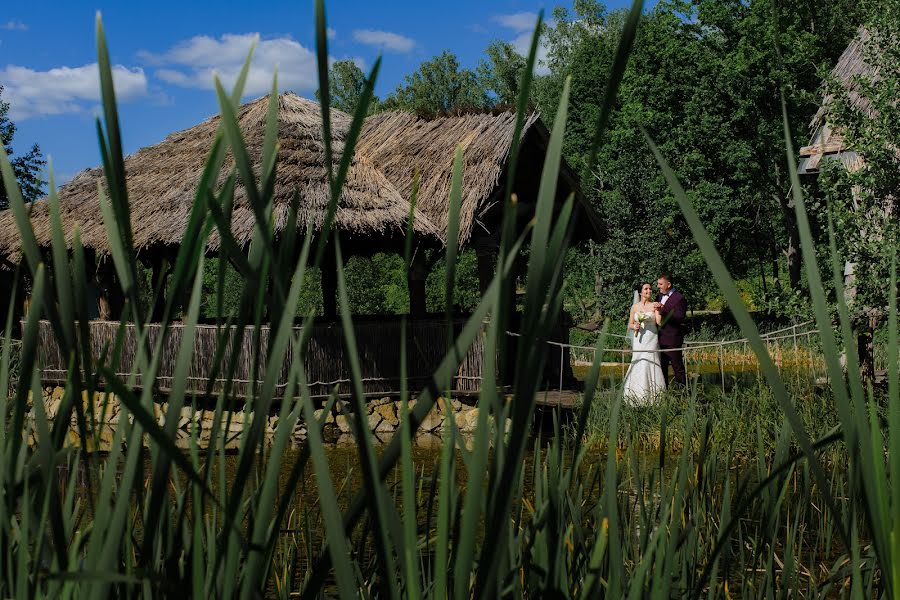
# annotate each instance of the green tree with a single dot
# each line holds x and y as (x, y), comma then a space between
(501, 72)
(704, 79)
(28, 167)
(439, 85)
(346, 82)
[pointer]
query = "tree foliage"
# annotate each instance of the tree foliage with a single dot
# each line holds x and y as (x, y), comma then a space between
(439, 85)
(28, 167)
(704, 80)
(346, 82)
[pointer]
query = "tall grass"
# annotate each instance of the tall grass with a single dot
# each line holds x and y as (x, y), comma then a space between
(486, 522)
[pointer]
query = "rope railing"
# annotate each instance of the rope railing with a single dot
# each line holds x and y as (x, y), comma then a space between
(575, 353)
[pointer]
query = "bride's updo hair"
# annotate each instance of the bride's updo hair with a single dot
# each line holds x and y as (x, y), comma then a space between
(641, 285)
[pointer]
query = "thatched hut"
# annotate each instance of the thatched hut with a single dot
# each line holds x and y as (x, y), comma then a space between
(827, 143)
(374, 206)
(857, 71)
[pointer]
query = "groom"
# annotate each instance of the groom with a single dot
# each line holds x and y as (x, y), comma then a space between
(670, 303)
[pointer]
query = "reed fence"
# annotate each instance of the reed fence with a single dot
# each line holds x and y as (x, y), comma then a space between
(324, 357)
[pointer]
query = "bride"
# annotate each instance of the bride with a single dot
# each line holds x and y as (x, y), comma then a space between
(644, 380)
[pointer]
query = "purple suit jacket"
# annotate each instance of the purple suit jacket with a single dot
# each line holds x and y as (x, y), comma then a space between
(671, 332)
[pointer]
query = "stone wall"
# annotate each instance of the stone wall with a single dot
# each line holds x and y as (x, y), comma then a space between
(383, 417)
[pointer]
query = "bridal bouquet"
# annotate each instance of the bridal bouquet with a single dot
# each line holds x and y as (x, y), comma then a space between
(640, 318)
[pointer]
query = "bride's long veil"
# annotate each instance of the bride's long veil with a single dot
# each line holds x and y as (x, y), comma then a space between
(629, 333)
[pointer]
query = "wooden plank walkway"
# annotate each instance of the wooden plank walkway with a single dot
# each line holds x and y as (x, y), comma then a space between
(565, 399)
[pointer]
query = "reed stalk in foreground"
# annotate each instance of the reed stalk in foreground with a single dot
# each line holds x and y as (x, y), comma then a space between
(500, 515)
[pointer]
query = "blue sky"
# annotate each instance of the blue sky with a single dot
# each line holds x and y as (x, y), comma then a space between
(164, 53)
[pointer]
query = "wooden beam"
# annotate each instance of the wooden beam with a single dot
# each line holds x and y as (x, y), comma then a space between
(160, 269)
(487, 261)
(329, 283)
(111, 300)
(415, 283)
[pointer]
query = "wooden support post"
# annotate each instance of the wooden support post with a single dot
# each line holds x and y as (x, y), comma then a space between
(7, 281)
(329, 283)
(415, 282)
(111, 300)
(160, 269)
(487, 261)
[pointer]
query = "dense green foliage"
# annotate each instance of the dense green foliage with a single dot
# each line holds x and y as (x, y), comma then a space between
(28, 168)
(704, 79)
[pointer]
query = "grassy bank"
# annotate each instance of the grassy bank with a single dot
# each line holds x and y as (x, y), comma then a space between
(744, 421)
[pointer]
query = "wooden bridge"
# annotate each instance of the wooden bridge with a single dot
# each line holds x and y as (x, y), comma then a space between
(325, 360)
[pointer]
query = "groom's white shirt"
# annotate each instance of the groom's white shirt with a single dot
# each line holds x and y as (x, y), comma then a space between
(665, 297)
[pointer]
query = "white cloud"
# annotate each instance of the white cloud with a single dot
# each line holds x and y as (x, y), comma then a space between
(522, 45)
(384, 40)
(522, 21)
(62, 90)
(14, 25)
(193, 63)
(523, 24)
(331, 33)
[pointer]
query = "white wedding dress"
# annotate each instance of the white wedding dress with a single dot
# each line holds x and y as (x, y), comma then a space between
(644, 379)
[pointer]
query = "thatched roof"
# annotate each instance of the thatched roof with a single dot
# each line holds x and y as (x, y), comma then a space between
(375, 201)
(826, 142)
(162, 181)
(401, 144)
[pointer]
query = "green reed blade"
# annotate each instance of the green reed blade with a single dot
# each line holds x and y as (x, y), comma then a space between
(277, 351)
(5, 353)
(535, 290)
(20, 213)
(259, 560)
(324, 87)
(341, 558)
(452, 241)
(587, 400)
(507, 231)
(445, 496)
(259, 205)
(617, 72)
(229, 247)
(590, 587)
(610, 507)
(197, 229)
(270, 141)
(148, 423)
(177, 390)
(61, 272)
(871, 461)
(28, 361)
(473, 503)
(893, 427)
(120, 254)
(530, 366)
(369, 465)
(115, 176)
(411, 572)
(745, 322)
(350, 141)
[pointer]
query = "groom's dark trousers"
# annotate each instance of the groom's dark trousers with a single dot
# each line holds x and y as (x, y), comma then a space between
(671, 337)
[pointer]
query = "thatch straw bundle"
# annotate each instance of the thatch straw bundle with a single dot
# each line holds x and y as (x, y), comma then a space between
(162, 179)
